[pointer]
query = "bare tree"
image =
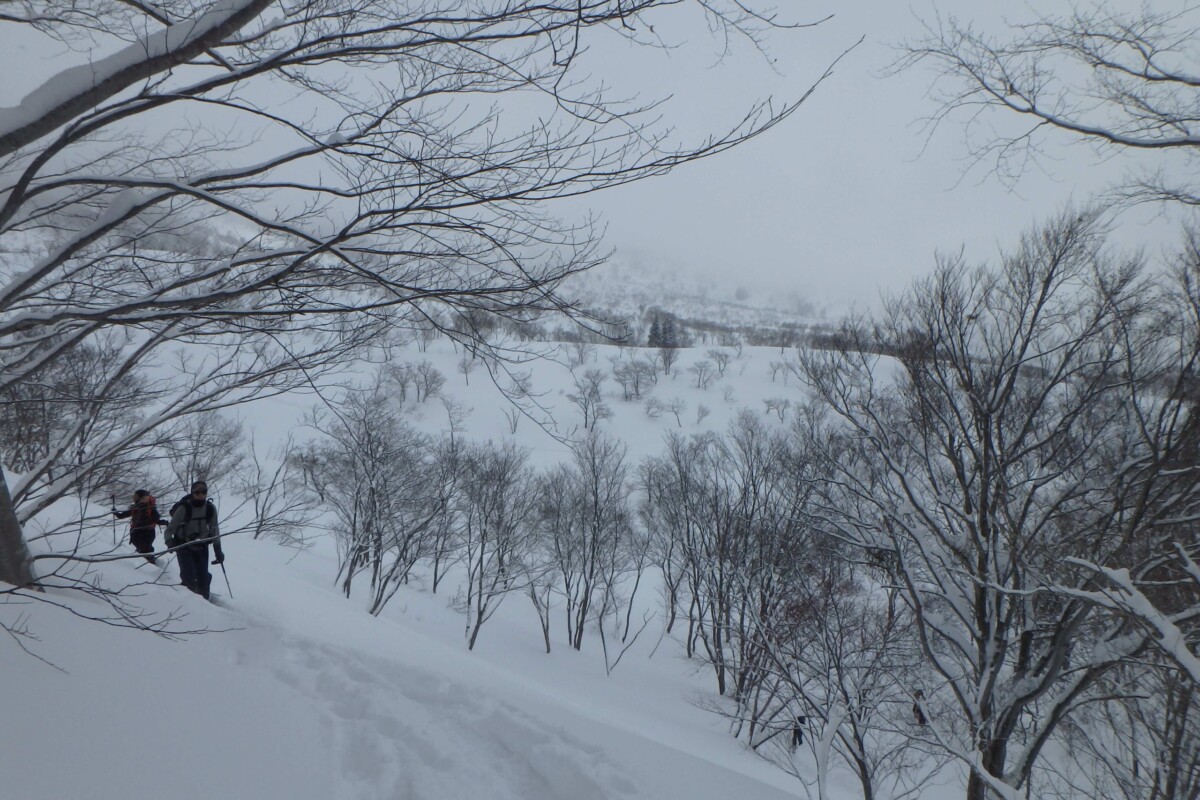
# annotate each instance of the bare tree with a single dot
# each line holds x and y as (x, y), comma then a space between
(1157, 583)
(667, 356)
(844, 663)
(637, 555)
(676, 406)
(427, 331)
(399, 377)
(1142, 742)
(642, 375)
(654, 407)
(230, 372)
(621, 374)
(456, 415)
(704, 371)
(779, 405)
(580, 353)
(665, 519)
(281, 509)
(204, 447)
(541, 583)
(725, 503)
(77, 399)
(589, 398)
(585, 520)
(721, 359)
(445, 477)
(497, 507)
(371, 471)
(634, 377)
(465, 366)
(427, 380)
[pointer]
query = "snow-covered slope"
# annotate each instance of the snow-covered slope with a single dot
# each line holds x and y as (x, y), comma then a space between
(305, 696)
(297, 692)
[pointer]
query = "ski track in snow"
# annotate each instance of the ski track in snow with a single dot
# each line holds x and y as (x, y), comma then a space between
(406, 734)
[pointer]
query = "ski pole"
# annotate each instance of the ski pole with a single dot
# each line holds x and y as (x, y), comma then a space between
(226, 574)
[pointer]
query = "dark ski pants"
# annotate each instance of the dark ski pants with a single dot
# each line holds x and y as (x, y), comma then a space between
(193, 568)
(142, 540)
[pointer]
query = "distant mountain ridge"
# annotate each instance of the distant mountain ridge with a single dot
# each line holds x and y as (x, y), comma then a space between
(719, 309)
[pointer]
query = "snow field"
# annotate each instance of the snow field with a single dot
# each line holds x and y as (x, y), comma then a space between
(304, 695)
(301, 694)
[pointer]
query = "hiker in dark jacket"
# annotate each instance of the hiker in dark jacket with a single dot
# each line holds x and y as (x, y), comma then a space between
(918, 712)
(192, 528)
(143, 517)
(798, 731)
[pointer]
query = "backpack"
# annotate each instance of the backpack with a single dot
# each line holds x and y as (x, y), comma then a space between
(210, 512)
(144, 515)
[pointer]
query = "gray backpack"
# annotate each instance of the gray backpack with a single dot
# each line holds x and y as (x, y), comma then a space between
(191, 530)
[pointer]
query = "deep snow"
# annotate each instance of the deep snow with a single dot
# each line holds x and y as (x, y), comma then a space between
(298, 693)
(306, 696)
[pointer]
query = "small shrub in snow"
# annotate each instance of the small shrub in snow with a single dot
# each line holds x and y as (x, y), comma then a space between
(721, 359)
(705, 372)
(778, 405)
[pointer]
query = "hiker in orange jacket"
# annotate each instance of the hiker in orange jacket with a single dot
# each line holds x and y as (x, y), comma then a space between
(143, 521)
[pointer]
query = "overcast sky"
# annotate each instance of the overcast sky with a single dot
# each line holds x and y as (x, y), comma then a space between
(851, 194)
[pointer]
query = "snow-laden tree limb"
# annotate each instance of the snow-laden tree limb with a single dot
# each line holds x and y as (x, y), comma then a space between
(1119, 593)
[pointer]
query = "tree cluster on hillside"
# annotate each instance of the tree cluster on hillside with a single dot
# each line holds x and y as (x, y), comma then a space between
(1027, 462)
(397, 498)
(1113, 496)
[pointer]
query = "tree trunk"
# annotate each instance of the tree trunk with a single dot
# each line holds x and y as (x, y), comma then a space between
(992, 760)
(672, 604)
(976, 788)
(581, 612)
(16, 565)
(478, 623)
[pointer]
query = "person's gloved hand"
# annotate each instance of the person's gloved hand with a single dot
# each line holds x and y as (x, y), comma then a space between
(220, 559)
